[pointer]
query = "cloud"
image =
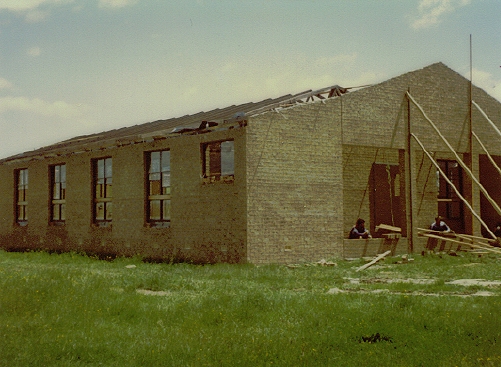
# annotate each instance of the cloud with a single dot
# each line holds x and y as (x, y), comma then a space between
(27, 5)
(30, 9)
(36, 16)
(34, 51)
(116, 3)
(5, 84)
(486, 81)
(431, 12)
(37, 106)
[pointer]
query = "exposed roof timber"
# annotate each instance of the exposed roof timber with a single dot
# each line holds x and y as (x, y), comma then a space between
(307, 96)
(187, 124)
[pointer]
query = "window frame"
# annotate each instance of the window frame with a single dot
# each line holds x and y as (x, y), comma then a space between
(213, 161)
(155, 192)
(105, 197)
(21, 180)
(60, 201)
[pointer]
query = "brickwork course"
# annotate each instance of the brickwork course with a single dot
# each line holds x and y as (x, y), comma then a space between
(303, 173)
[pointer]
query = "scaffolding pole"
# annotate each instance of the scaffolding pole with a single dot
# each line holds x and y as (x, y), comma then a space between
(487, 152)
(487, 118)
(459, 160)
(442, 173)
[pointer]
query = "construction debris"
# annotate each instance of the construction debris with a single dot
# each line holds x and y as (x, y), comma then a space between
(324, 262)
(376, 259)
(321, 262)
(388, 228)
(474, 242)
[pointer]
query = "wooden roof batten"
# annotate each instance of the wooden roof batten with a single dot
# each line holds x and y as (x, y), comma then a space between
(232, 116)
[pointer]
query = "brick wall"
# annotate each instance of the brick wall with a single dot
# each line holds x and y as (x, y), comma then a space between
(294, 185)
(302, 177)
(207, 221)
(375, 119)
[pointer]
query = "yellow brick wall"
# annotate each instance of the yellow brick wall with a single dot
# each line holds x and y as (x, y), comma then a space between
(301, 178)
(294, 185)
(207, 221)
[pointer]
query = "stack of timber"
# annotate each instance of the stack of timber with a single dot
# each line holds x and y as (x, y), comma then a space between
(450, 241)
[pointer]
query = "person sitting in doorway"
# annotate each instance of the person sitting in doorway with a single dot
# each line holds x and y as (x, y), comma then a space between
(439, 225)
(359, 231)
(497, 230)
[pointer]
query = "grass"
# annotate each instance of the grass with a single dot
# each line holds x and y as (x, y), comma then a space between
(73, 310)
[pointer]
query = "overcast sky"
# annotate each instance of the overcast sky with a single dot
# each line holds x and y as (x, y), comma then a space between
(73, 67)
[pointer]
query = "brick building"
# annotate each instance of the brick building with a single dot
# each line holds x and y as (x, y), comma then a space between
(278, 181)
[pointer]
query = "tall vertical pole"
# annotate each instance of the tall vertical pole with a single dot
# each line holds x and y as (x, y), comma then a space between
(410, 221)
(470, 96)
(470, 135)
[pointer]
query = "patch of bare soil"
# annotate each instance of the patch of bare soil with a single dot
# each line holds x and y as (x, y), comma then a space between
(416, 293)
(460, 282)
(390, 280)
(148, 292)
(481, 282)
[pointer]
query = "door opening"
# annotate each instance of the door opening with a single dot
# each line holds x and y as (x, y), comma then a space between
(450, 205)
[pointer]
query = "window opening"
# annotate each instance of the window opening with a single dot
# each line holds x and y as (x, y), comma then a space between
(22, 197)
(58, 195)
(103, 205)
(219, 161)
(159, 189)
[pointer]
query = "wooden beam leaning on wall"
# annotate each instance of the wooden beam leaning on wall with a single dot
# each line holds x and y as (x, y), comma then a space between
(473, 242)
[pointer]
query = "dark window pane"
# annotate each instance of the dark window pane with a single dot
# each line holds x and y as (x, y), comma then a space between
(155, 188)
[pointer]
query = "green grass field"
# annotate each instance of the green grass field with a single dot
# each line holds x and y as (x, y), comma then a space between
(73, 310)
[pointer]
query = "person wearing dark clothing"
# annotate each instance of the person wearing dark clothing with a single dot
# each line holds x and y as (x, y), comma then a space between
(439, 225)
(359, 231)
(497, 231)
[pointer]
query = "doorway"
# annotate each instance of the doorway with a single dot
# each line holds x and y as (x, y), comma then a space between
(450, 205)
(386, 198)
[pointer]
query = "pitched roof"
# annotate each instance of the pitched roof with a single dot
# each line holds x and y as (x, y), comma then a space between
(175, 126)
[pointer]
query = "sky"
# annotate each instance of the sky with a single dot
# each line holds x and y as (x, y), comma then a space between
(76, 67)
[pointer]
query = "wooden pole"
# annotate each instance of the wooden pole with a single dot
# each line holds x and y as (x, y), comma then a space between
(471, 190)
(458, 159)
(454, 187)
(487, 152)
(379, 257)
(486, 117)
(408, 180)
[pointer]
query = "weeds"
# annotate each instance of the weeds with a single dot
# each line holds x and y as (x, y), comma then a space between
(69, 309)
